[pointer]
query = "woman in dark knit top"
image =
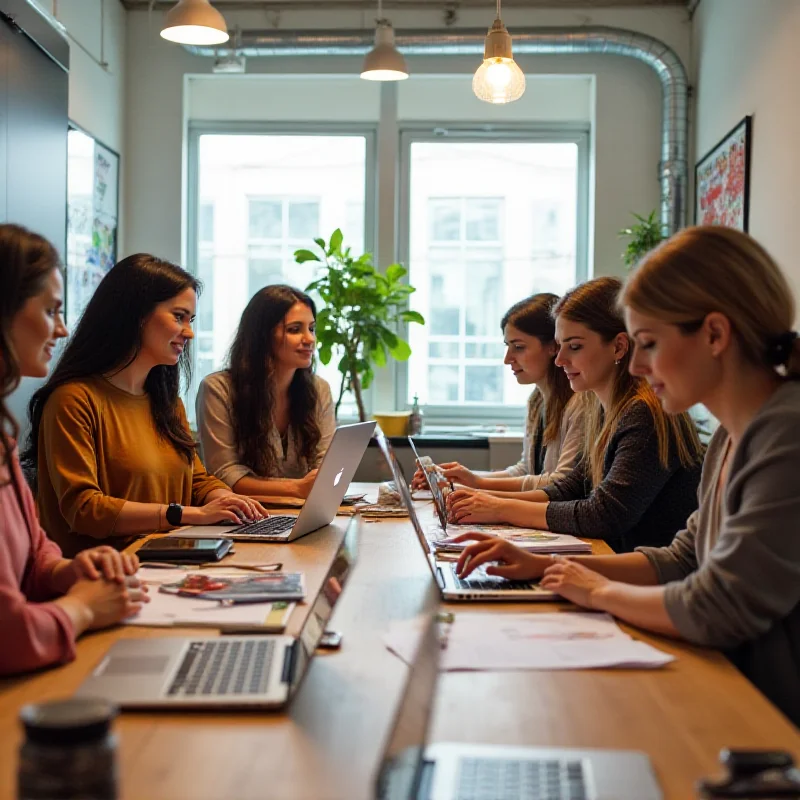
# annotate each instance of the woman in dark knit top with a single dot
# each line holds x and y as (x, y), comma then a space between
(711, 316)
(637, 481)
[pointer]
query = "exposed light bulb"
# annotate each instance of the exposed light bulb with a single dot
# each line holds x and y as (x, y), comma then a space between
(498, 75)
(498, 79)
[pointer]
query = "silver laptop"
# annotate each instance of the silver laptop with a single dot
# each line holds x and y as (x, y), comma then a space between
(479, 586)
(449, 771)
(330, 486)
(225, 671)
(433, 484)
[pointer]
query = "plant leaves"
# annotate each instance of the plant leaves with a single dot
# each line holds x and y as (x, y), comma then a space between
(301, 256)
(335, 244)
(395, 271)
(401, 351)
(412, 316)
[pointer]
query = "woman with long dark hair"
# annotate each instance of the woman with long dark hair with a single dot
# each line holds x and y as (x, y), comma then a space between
(712, 317)
(637, 481)
(553, 438)
(46, 601)
(266, 421)
(110, 447)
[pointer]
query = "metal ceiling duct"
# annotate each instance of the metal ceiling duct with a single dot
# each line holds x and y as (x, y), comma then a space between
(673, 166)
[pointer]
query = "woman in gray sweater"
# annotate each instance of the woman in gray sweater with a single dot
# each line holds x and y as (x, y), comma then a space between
(710, 314)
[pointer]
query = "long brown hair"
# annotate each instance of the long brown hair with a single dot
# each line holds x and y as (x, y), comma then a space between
(109, 337)
(534, 316)
(711, 268)
(253, 396)
(594, 304)
(26, 259)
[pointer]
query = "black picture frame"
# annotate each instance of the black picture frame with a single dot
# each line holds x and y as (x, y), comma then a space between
(724, 204)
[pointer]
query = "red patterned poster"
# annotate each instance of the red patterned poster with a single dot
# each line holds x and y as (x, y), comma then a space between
(722, 179)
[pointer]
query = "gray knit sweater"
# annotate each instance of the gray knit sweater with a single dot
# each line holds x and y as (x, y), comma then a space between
(638, 502)
(733, 576)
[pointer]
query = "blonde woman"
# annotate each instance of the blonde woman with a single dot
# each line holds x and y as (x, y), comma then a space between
(711, 316)
(554, 429)
(637, 482)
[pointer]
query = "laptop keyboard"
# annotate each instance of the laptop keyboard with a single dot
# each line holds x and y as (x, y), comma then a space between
(512, 779)
(479, 579)
(223, 668)
(269, 526)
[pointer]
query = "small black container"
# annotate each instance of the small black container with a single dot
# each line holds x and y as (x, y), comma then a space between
(69, 752)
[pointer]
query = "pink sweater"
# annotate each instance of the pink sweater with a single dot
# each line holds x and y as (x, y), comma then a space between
(34, 633)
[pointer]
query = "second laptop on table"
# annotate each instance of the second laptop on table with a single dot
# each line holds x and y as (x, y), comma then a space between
(330, 486)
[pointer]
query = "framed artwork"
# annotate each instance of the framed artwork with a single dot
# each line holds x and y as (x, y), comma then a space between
(722, 180)
(92, 217)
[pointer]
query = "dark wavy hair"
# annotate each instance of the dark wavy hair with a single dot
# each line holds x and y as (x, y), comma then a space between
(109, 337)
(534, 316)
(251, 366)
(26, 259)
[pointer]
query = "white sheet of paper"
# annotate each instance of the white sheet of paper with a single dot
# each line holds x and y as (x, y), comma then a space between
(529, 539)
(562, 640)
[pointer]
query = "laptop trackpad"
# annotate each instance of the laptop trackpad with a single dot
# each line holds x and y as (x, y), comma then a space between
(134, 665)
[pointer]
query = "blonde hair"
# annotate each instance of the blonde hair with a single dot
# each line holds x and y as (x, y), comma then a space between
(594, 304)
(711, 268)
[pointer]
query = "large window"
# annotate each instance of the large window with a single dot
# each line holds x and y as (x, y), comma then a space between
(489, 223)
(258, 198)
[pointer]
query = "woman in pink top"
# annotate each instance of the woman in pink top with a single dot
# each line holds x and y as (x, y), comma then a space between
(46, 601)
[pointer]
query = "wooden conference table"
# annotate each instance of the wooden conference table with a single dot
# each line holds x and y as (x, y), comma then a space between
(328, 745)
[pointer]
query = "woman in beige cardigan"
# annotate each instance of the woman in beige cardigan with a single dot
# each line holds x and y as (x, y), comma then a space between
(553, 431)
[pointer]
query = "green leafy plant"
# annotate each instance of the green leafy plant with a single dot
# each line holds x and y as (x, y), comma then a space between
(643, 236)
(362, 306)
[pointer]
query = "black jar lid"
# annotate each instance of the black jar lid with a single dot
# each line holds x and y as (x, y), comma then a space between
(68, 722)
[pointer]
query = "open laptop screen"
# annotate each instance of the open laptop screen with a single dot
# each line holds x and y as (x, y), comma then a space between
(432, 478)
(401, 769)
(329, 593)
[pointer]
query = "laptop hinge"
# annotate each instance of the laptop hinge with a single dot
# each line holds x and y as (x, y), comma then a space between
(290, 662)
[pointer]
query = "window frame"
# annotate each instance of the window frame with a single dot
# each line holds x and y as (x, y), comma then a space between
(578, 134)
(191, 248)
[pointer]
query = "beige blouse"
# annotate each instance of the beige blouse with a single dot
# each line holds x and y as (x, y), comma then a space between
(560, 456)
(215, 426)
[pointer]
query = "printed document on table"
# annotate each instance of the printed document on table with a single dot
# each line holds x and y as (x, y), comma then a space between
(561, 640)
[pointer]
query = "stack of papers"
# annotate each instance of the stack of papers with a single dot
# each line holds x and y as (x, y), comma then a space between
(525, 538)
(166, 609)
(561, 640)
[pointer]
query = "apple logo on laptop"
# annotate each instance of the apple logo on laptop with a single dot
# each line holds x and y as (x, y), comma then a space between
(338, 477)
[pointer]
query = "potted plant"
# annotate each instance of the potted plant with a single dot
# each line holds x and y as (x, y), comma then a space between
(643, 236)
(362, 309)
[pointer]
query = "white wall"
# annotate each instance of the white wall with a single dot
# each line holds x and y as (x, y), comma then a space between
(627, 124)
(97, 71)
(746, 60)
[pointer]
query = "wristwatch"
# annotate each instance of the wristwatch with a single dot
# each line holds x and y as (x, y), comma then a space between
(174, 514)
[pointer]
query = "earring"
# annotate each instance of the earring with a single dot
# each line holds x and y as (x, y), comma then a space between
(617, 361)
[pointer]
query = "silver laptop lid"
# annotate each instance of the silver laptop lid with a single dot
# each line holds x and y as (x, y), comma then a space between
(322, 610)
(436, 490)
(405, 493)
(401, 770)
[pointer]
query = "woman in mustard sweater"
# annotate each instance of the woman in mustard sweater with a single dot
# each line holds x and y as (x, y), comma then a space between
(110, 449)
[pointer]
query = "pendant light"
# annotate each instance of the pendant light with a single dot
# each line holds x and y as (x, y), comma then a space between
(194, 22)
(384, 62)
(498, 79)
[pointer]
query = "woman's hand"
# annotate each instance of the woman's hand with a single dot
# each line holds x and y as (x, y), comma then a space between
(458, 473)
(467, 506)
(305, 483)
(574, 582)
(103, 561)
(419, 482)
(223, 508)
(103, 602)
(515, 564)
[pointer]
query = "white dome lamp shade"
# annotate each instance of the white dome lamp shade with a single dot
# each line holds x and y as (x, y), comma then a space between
(498, 79)
(194, 22)
(384, 62)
